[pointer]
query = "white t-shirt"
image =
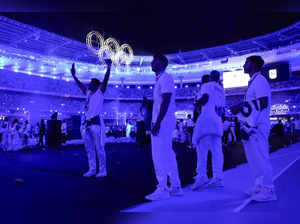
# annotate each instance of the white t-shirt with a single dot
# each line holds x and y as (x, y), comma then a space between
(216, 98)
(164, 84)
(259, 87)
(208, 122)
(94, 103)
(128, 127)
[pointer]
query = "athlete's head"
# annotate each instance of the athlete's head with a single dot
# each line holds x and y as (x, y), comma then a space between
(215, 76)
(94, 84)
(253, 64)
(159, 63)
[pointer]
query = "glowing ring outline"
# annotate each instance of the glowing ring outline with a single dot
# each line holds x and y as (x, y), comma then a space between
(89, 41)
(116, 54)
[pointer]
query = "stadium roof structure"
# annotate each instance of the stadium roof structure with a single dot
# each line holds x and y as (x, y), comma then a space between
(24, 48)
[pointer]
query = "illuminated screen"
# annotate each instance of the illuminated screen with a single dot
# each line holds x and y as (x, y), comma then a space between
(235, 79)
(272, 73)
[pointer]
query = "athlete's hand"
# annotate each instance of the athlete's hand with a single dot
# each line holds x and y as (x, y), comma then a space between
(155, 129)
(108, 62)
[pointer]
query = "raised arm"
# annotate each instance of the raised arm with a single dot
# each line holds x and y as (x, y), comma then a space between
(79, 84)
(106, 77)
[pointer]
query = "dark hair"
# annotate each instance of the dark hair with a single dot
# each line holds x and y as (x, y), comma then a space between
(215, 75)
(257, 60)
(205, 79)
(54, 116)
(162, 58)
(96, 81)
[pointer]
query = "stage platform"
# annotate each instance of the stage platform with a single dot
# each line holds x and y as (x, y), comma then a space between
(54, 190)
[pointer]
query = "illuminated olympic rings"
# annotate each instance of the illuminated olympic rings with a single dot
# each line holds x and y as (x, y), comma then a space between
(110, 47)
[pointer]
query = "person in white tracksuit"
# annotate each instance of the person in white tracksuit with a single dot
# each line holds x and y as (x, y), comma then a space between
(94, 126)
(26, 133)
(128, 129)
(208, 133)
(163, 124)
(255, 141)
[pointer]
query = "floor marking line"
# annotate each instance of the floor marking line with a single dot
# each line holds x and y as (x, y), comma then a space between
(248, 200)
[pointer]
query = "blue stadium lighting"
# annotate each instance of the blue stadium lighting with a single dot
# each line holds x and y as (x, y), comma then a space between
(29, 68)
(33, 52)
(117, 86)
(42, 69)
(3, 61)
(127, 87)
(175, 87)
(198, 85)
(150, 87)
(16, 68)
(139, 87)
(186, 86)
(95, 70)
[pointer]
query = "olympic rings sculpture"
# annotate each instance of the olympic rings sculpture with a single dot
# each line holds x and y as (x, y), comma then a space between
(110, 47)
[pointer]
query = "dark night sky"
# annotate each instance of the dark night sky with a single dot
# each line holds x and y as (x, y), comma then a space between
(153, 26)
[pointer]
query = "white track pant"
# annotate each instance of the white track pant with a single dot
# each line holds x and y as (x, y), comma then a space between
(163, 156)
(95, 147)
(257, 153)
(214, 144)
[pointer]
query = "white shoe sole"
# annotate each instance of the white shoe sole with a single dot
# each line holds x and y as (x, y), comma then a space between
(176, 194)
(199, 187)
(157, 199)
(101, 176)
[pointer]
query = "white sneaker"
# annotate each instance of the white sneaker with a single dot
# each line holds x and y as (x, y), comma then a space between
(176, 191)
(265, 194)
(216, 182)
(200, 183)
(101, 174)
(158, 194)
(90, 173)
(253, 190)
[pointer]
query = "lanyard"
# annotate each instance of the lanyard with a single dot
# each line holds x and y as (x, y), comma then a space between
(250, 82)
